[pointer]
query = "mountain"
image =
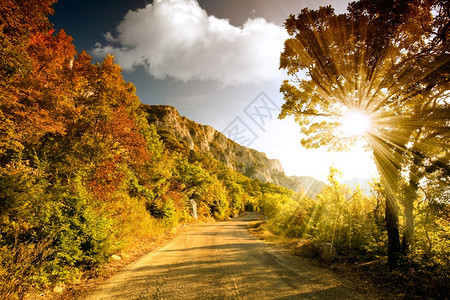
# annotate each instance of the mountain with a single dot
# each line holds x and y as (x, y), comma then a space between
(310, 185)
(204, 138)
(363, 184)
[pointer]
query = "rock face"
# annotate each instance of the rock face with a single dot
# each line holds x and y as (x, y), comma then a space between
(327, 252)
(204, 138)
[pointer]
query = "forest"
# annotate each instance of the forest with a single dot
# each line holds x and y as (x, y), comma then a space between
(84, 176)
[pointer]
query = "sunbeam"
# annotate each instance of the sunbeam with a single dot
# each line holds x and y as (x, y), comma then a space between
(355, 123)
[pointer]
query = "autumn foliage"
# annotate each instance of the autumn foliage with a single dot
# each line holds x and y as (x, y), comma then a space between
(82, 173)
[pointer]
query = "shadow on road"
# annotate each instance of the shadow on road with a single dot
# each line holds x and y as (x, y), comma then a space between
(222, 261)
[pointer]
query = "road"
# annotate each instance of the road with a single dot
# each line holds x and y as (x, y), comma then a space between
(223, 261)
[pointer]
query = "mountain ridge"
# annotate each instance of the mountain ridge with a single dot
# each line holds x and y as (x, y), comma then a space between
(362, 183)
(247, 161)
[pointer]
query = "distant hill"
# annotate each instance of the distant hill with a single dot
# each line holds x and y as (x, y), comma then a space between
(204, 138)
(311, 186)
(363, 183)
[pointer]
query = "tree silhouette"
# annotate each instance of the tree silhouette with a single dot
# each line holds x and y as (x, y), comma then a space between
(389, 61)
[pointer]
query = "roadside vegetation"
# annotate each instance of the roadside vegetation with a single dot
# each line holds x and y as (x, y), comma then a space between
(345, 230)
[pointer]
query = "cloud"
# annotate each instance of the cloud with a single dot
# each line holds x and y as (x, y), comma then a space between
(177, 38)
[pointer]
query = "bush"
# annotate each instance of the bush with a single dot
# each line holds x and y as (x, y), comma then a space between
(338, 216)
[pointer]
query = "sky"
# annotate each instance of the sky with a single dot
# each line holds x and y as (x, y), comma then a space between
(216, 61)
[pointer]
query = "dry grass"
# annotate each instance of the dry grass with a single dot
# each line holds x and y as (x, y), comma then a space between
(20, 266)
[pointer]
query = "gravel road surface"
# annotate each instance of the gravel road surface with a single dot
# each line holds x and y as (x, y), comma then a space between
(223, 261)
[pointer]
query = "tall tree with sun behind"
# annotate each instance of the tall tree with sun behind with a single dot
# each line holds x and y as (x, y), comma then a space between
(377, 74)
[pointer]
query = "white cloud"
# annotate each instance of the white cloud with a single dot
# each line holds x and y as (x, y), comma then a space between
(177, 38)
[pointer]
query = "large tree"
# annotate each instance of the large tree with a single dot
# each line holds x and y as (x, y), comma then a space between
(387, 62)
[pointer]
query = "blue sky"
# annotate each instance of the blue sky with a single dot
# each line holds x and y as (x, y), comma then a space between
(216, 61)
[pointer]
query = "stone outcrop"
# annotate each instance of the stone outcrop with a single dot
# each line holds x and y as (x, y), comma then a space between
(327, 252)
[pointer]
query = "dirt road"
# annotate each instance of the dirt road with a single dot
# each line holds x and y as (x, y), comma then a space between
(223, 261)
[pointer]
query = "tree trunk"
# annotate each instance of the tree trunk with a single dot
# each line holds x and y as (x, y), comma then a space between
(394, 247)
(410, 196)
(388, 171)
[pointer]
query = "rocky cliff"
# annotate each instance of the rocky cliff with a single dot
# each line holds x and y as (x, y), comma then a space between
(204, 138)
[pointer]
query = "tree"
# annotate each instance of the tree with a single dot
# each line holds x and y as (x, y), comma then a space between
(78, 159)
(33, 61)
(386, 60)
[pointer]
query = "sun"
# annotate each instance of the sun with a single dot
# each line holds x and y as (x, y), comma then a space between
(355, 123)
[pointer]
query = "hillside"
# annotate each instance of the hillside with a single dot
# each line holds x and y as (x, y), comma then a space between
(362, 183)
(205, 139)
(310, 185)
